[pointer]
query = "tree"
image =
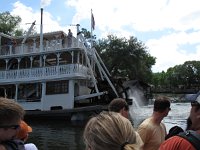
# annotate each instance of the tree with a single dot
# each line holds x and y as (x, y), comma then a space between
(181, 77)
(9, 24)
(86, 33)
(126, 58)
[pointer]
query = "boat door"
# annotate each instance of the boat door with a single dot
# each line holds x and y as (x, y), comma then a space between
(76, 89)
(3, 92)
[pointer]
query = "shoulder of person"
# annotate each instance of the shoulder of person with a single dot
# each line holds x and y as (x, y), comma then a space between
(139, 141)
(30, 146)
(2, 147)
(162, 125)
(13, 145)
(192, 137)
(176, 143)
(146, 124)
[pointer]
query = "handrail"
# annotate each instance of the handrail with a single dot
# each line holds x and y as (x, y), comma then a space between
(32, 74)
(49, 45)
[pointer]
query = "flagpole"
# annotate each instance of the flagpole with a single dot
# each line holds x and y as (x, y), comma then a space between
(91, 25)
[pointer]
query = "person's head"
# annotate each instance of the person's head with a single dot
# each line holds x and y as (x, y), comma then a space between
(109, 131)
(11, 114)
(24, 131)
(119, 105)
(195, 114)
(174, 131)
(162, 104)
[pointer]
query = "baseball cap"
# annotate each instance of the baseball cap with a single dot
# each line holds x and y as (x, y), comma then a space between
(24, 130)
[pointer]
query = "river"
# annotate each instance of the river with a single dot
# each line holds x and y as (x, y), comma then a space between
(62, 135)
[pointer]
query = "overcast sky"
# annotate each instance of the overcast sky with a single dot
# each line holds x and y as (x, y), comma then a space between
(170, 29)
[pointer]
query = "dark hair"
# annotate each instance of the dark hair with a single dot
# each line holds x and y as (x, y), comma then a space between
(189, 123)
(174, 131)
(161, 103)
(10, 111)
(117, 104)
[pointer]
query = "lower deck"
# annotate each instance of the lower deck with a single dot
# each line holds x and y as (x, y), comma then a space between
(50, 95)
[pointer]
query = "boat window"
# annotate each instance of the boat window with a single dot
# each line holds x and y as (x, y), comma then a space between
(57, 87)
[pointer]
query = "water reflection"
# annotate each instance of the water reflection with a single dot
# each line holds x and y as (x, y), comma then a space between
(60, 135)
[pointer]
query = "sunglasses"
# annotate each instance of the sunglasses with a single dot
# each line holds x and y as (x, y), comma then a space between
(15, 127)
(195, 103)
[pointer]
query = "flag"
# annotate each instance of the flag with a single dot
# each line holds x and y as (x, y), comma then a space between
(92, 21)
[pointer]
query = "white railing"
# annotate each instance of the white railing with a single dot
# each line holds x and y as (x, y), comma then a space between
(70, 70)
(51, 45)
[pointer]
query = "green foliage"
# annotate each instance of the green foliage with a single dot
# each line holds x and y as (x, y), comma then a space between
(18, 32)
(126, 57)
(185, 76)
(87, 34)
(9, 24)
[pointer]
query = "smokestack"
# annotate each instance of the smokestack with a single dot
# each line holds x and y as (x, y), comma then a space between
(41, 31)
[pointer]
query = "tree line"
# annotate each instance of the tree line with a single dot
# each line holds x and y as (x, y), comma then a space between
(180, 78)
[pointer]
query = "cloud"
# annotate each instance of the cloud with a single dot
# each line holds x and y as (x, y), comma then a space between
(29, 15)
(169, 28)
(45, 3)
(168, 51)
(142, 15)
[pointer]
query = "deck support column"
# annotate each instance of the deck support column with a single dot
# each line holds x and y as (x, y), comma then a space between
(16, 92)
(43, 95)
(71, 93)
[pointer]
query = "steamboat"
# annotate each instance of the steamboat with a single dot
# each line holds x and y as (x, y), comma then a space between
(54, 74)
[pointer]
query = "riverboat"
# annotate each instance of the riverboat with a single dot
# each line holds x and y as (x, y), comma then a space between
(53, 74)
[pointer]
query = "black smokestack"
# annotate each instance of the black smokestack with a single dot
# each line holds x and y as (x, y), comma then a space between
(41, 32)
(41, 14)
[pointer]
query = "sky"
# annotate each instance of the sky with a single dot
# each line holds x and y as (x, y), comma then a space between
(170, 29)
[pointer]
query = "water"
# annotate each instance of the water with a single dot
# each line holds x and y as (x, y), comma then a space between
(62, 135)
(57, 135)
(177, 116)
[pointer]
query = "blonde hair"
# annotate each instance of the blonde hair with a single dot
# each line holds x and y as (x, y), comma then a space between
(109, 131)
(10, 111)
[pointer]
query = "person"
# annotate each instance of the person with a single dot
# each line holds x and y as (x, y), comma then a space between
(23, 135)
(11, 114)
(175, 130)
(180, 143)
(119, 105)
(110, 131)
(69, 38)
(152, 130)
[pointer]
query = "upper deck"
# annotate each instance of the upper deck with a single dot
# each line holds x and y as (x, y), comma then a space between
(24, 59)
(54, 41)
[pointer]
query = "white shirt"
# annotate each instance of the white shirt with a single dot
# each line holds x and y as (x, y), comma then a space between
(30, 146)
